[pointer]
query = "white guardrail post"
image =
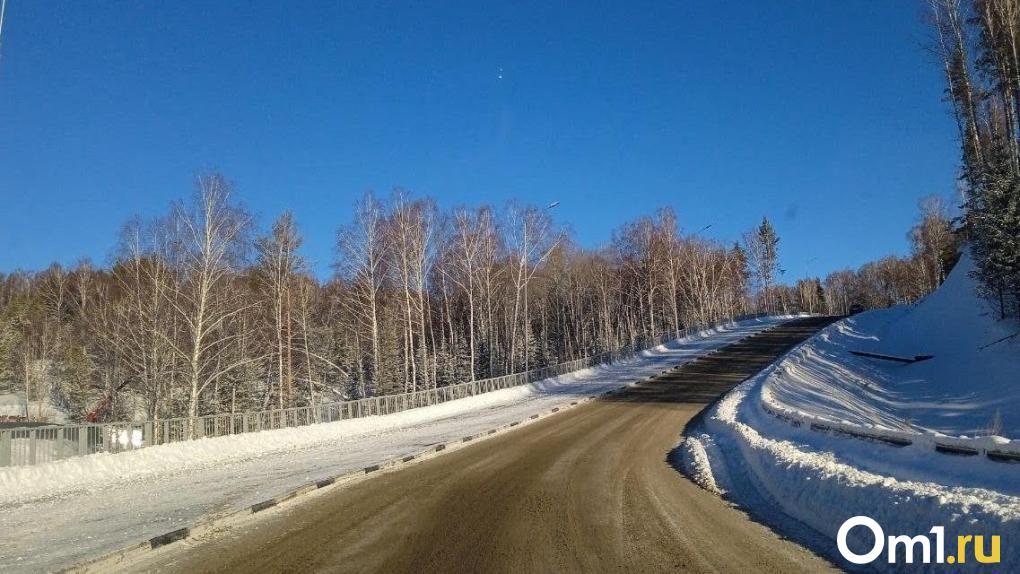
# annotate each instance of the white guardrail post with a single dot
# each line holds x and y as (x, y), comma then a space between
(5, 448)
(32, 447)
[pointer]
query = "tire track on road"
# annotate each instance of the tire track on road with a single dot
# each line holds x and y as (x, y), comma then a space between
(588, 490)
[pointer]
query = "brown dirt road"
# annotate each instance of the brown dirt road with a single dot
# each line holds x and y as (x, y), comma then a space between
(587, 490)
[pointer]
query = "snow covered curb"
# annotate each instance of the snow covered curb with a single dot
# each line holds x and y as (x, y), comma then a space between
(996, 448)
(820, 492)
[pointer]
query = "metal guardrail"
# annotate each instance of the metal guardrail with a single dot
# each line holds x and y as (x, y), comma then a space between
(36, 445)
(997, 449)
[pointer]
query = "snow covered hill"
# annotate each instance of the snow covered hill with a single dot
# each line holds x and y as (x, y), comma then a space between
(765, 446)
(970, 387)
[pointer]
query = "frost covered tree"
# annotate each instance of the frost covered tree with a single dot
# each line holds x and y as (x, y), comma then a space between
(933, 243)
(978, 42)
(762, 245)
(531, 238)
(364, 251)
(278, 269)
(469, 234)
(208, 247)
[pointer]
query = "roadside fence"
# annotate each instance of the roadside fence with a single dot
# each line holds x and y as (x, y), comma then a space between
(41, 444)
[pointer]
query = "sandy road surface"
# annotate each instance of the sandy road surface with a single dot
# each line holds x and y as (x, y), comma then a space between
(589, 490)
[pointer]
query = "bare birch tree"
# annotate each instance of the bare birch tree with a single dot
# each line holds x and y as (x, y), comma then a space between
(279, 265)
(209, 246)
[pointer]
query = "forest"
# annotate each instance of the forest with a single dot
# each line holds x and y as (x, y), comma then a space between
(977, 45)
(200, 312)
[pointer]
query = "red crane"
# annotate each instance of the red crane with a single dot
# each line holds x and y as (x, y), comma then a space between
(104, 405)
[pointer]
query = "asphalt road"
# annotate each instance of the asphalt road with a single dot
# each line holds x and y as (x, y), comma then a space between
(588, 490)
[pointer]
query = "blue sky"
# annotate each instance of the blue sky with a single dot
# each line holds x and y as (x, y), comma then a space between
(825, 116)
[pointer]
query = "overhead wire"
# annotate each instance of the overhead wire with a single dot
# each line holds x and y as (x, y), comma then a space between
(3, 10)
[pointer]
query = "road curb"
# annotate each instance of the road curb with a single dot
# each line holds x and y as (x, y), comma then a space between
(164, 539)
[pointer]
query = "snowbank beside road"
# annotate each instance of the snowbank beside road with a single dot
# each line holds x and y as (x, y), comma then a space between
(25, 483)
(970, 387)
(806, 482)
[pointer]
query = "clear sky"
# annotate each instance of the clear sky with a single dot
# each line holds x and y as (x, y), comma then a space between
(825, 116)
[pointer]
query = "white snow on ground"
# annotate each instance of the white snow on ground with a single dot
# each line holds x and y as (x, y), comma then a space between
(968, 384)
(15, 406)
(806, 483)
(61, 513)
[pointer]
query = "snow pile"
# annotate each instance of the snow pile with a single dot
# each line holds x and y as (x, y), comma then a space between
(806, 483)
(970, 388)
(696, 463)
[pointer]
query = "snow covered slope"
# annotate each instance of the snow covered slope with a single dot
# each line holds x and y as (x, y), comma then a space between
(805, 482)
(971, 386)
(58, 514)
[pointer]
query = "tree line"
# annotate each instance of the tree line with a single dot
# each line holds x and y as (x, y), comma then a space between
(198, 313)
(935, 245)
